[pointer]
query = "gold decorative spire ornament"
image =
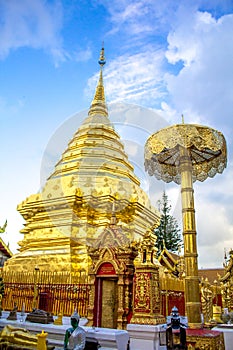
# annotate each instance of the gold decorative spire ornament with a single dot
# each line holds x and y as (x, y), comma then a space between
(184, 153)
(98, 105)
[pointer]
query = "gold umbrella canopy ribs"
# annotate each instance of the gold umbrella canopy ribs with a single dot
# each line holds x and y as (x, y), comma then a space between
(205, 146)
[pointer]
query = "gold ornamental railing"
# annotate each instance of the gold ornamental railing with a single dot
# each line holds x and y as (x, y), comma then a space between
(52, 292)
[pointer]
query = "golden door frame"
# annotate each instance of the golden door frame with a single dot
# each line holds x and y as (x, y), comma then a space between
(114, 265)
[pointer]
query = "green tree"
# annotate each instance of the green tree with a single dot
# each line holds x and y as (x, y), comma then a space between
(168, 232)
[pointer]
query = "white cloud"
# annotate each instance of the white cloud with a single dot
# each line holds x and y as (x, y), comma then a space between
(213, 203)
(141, 17)
(204, 85)
(35, 24)
(129, 14)
(134, 78)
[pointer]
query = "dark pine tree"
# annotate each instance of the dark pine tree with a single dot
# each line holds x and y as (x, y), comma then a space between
(168, 232)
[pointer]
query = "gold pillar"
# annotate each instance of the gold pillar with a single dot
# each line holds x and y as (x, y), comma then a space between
(146, 295)
(166, 292)
(192, 294)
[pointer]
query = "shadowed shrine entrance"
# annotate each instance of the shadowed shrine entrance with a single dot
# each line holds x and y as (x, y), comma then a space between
(109, 303)
(106, 297)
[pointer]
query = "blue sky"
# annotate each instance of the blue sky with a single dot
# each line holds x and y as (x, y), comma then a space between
(163, 59)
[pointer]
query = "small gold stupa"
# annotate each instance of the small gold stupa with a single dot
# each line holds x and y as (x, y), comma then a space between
(75, 205)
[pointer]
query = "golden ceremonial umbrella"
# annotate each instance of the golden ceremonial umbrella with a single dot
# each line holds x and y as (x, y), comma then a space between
(184, 153)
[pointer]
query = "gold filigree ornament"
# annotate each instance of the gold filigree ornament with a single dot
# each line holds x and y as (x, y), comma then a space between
(206, 148)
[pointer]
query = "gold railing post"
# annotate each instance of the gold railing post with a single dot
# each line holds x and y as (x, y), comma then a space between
(35, 294)
(166, 292)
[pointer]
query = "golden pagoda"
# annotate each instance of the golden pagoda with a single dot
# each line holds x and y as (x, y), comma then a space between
(75, 205)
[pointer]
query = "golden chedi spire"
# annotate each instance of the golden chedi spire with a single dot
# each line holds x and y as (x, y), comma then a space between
(75, 205)
(98, 105)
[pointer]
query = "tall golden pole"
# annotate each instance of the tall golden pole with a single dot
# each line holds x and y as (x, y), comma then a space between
(192, 294)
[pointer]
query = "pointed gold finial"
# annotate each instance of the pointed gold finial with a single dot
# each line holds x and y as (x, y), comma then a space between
(102, 60)
(98, 105)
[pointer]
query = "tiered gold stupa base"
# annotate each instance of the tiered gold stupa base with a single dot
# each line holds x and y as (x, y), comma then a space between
(75, 205)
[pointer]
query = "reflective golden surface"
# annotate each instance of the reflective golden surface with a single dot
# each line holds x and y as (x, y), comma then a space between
(75, 204)
(17, 335)
(206, 148)
(146, 295)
